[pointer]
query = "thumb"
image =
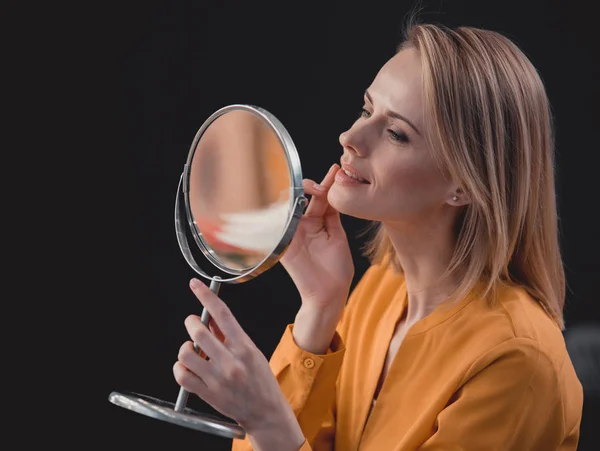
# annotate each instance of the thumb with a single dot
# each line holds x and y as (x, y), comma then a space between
(318, 204)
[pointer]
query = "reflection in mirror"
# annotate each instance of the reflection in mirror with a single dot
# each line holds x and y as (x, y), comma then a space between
(240, 189)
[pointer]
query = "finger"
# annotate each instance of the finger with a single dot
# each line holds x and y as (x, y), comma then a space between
(312, 188)
(333, 222)
(191, 382)
(204, 339)
(218, 311)
(318, 198)
(330, 176)
(201, 368)
(318, 203)
(209, 391)
(212, 326)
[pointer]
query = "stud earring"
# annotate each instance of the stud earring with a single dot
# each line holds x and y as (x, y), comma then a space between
(454, 198)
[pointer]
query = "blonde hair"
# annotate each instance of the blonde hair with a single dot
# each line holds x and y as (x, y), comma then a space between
(490, 127)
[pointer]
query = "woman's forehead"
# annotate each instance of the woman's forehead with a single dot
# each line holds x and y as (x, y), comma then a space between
(398, 85)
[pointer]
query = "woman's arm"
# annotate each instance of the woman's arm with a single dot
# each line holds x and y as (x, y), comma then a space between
(307, 382)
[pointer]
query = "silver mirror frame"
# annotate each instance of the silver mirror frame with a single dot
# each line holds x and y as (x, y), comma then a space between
(298, 202)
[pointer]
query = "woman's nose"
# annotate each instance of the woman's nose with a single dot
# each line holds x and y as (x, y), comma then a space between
(349, 140)
(344, 138)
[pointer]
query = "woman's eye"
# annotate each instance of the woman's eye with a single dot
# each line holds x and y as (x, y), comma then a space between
(398, 136)
(365, 113)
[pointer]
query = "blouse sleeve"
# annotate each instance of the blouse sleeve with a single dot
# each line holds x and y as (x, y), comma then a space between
(308, 383)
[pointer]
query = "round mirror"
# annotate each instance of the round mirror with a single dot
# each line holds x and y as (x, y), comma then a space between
(242, 186)
(240, 194)
(243, 199)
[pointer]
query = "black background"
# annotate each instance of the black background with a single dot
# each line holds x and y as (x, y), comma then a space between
(144, 76)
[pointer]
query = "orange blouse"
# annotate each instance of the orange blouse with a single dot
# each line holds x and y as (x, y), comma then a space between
(467, 377)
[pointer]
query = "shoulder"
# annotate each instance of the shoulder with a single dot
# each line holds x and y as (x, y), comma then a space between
(528, 322)
(515, 329)
(513, 317)
(531, 375)
(519, 340)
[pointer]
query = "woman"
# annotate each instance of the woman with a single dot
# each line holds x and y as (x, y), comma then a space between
(452, 338)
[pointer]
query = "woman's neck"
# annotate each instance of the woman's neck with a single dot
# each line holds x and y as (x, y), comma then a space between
(424, 252)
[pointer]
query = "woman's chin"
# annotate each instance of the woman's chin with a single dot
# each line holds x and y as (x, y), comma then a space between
(346, 205)
(336, 199)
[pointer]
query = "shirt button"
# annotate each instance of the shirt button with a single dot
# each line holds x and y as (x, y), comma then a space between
(309, 363)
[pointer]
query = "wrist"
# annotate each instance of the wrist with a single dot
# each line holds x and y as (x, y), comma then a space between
(314, 328)
(280, 432)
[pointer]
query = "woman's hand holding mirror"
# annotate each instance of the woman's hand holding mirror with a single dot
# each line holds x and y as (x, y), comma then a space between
(236, 378)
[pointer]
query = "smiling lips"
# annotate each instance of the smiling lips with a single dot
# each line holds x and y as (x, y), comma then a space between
(349, 171)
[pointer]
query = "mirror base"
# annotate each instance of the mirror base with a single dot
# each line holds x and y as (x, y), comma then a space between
(165, 411)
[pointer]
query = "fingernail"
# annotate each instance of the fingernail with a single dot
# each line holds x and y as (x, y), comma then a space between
(195, 283)
(330, 171)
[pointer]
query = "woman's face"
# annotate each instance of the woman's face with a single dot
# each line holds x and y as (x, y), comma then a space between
(386, 146)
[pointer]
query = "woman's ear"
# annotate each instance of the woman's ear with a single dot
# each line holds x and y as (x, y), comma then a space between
(459, 198)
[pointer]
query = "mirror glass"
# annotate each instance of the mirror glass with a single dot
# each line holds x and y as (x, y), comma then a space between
(240, 190)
